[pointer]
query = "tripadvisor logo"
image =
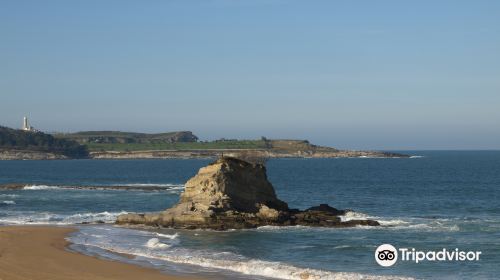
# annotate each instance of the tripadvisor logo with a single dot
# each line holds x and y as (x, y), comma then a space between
(387, 255)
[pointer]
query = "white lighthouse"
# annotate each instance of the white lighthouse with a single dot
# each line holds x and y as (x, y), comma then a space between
(26, 126)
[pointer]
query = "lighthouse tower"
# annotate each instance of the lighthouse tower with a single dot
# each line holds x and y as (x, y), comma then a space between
(26, 126)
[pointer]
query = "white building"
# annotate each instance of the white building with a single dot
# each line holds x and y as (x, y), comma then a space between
(26, 126)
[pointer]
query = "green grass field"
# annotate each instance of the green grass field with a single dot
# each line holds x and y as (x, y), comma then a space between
(241, 144)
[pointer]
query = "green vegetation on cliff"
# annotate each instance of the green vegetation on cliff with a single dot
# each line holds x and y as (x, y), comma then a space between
(119, 141)
(231, 144)
(261, 144)
(15, 139)
(98, 141)
(120, 137)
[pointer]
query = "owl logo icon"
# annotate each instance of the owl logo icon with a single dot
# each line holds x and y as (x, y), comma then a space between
(386, 255)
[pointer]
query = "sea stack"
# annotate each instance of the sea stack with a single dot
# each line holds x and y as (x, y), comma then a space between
(233, 194)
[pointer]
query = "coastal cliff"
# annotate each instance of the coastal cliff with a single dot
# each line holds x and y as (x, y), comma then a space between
(12, 154)
(33, 144)
(242, 153)
(36, 145)
(255, 149)
(233, 194)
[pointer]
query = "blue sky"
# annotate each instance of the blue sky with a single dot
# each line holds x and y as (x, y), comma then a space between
(350, 74)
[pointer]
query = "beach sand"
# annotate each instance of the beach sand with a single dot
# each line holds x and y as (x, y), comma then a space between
(38, 252)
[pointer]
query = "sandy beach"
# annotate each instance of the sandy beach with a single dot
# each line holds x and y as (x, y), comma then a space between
(38, 252)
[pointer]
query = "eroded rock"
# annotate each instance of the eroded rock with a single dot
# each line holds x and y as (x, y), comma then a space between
(234, 194)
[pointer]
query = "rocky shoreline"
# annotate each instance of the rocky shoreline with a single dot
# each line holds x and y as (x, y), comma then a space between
(234, 194)
(12, 154)
(311, 152)
(241, 153)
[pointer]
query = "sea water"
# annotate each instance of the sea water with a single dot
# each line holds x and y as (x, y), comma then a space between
(432, 201)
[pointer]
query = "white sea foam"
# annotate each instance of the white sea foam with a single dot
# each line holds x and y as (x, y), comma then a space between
(402, 223)
(281, 228)
(139, 186)
(169, 236)
(416, 156)
(386, 223)
(151, 185)
(105, 216)
(304, 247)
(42, 218)
(40, 187)
(8, 202)
(156, 250)
(395, 222)
(429, 225)
(342, 246)
(352, 215)
(9, 195)
(154, 243)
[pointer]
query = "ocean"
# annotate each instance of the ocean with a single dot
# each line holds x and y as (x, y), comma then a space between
(433, 201)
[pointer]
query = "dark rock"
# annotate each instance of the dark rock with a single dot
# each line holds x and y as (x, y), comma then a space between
(327, 208)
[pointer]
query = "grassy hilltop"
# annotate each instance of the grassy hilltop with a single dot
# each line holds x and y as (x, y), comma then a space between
(180, 141)
(232, 144)
(119, 137)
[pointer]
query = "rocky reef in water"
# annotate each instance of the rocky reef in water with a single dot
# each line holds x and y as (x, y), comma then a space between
(234, 194)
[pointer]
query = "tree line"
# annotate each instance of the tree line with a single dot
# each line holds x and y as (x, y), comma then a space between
(39, 141)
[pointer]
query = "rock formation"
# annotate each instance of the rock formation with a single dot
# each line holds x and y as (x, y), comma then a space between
(233, 194)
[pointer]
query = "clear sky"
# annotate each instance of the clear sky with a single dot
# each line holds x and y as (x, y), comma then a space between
(350, 74)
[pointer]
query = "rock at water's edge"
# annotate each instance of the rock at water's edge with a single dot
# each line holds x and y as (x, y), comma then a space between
(231, 194)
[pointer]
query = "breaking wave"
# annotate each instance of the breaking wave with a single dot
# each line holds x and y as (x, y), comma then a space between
(167, 249)
(138, 186)
(40, 187)
(8, 202)
(352, 215)
(169, 236)
(154, 243)
(42, 218)
(386, 223)
(149, 185)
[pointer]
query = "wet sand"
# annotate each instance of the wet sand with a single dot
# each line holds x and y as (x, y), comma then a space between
(39, 252)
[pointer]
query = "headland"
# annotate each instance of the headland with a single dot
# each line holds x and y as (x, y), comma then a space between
(35, 145)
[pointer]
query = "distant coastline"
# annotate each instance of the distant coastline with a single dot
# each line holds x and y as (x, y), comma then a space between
(36, 145)
(241, 153)
(14, 154)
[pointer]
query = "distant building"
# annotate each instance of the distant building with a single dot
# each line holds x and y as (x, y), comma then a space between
(26, 126)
